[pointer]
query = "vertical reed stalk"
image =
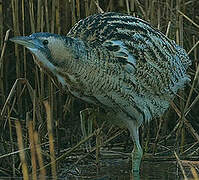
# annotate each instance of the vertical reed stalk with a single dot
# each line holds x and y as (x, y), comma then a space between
(127, 7)
(152, 17)
(15, 13)
(1, 25)
(34, 109)
(86, 8)
(2, 78)
(53, 17)
(132, 6)
(32, 16)
(39, 156)
(21, 150)
(51, 85)
(74, 20)
(159, 14)
(181, 101)
(78, 9)
(39, 15)
(195, 51)
(98, 132)
(42, 77)
(12, 142)
(23, 33)
(32, 149)
(47, 16)
(178, 41)
(57, 12)
(51, 139)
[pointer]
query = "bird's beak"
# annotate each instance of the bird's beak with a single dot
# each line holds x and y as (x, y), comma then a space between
(26, 41)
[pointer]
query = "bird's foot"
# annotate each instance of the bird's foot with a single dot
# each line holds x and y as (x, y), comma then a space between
(136, 160)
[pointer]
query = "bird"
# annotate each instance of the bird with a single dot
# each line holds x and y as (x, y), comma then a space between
(117, 62)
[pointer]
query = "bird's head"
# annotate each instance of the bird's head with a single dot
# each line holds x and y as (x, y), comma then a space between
(55, 53)
(52, 50)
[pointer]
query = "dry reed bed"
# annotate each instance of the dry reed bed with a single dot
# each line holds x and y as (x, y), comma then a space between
(29, 98)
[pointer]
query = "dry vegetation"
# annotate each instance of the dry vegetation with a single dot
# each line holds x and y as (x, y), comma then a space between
(29, 100)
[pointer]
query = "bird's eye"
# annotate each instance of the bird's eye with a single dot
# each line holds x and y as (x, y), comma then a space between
(45, 42)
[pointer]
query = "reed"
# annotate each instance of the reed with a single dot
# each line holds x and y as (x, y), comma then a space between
(22, 153)
(51, 139)
(32, 149)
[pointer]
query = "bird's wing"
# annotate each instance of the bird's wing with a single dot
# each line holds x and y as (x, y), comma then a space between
(151, 74)
(120, 51)
(158, 62)
(150, 65)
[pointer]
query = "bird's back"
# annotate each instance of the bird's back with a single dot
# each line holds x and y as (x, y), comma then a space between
(153, 66)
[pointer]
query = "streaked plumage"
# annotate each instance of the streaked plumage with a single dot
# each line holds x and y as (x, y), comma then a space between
(153, 67)
(117, 62)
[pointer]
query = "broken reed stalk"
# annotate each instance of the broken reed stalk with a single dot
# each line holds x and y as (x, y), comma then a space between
(98, 143)
(195, 173)
(72, 149)
(157, 136)
(101, 144)
(181, 167)
(189, 19)
(32, 149)
(21, 153)
(2, 88)
(39, 156)
(140, 7)
(4, 48)
(51, 140)
(194, 82)
(100, 10)
(193, 48)
(12, 142)
(189, 127)
(12, 93)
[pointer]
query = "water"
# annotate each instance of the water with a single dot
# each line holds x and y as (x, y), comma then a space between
(119, 169)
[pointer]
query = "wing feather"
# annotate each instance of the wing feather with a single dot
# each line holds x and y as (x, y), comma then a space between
(149, 67)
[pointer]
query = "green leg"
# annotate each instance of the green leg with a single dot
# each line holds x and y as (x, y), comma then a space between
(136, 157)
(137, 151)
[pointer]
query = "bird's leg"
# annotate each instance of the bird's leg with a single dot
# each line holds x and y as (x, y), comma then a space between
(136, 155)
(86, 124)
(137, 151)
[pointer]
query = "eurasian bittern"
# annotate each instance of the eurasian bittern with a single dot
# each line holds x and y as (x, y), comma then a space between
(115, 61)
